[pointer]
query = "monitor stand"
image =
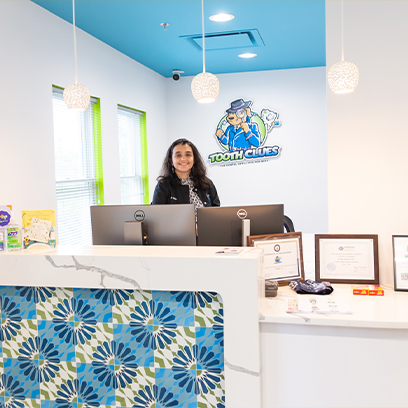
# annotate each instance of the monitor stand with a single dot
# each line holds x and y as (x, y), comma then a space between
(133, 232)
(246, 231)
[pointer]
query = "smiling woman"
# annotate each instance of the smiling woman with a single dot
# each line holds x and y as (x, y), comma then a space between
(183, 178)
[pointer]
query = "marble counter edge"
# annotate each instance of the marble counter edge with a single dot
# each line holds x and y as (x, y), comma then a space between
(330, 320)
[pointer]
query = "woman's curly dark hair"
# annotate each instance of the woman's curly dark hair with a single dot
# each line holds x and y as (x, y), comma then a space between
(198, 172)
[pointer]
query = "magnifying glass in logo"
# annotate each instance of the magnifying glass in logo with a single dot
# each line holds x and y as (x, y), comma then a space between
(241, 113)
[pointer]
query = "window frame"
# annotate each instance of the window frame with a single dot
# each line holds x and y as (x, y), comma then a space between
(95, 179)
(143, 151)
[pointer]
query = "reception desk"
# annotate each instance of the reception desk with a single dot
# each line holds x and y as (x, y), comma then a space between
(70, 317)
(245, 350)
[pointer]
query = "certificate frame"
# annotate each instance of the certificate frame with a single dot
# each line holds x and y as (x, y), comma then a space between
(400, 260)
(269, 241)
(368, 247)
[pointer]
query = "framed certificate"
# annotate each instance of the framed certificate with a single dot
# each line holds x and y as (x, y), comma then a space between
(283, 256)
(347, 259)
(400, 255)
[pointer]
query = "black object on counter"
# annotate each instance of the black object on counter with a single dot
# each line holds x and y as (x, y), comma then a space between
(271, 288)
(310, 287)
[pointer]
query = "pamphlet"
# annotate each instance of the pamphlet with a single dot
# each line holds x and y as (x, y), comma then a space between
(318, 304)
(39, 228)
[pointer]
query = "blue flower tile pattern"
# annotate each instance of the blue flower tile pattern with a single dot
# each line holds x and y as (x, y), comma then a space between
(76, 348)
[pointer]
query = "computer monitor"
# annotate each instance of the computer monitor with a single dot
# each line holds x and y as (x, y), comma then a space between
(162, 224)
(222, 226)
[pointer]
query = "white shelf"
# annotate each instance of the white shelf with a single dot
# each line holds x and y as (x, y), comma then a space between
(388, 312)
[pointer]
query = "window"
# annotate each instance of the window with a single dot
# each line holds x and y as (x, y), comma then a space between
(78, 168)
(133, 156)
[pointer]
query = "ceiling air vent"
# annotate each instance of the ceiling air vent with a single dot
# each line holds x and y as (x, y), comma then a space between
(226, 40)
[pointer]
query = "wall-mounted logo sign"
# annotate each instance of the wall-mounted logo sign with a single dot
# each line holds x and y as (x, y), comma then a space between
(242, 134)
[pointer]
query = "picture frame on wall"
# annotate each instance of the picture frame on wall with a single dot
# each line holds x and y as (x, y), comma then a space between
(283, 256)
(347, 258)
(400, 257)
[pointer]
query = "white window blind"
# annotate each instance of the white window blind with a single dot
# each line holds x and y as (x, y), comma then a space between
(76, 185)
(131, 178)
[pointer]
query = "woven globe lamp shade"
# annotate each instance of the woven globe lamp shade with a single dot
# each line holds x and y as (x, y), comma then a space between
(77, 96)
(343, 77)
(205, 87)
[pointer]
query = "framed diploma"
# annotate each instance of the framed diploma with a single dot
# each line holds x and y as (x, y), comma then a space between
(347, 259)
(283, 256)
(400, 254)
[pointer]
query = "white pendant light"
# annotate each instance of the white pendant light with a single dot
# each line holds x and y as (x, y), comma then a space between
(343, 77)
(76, 96)
(205, 86)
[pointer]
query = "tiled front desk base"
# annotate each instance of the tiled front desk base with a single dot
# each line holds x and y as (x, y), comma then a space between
(63, 347)
(237, 279)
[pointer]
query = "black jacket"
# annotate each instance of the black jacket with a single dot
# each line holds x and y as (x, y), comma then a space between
(173, 192)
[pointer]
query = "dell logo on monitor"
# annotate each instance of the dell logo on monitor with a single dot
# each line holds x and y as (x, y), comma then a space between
(242, 214)
(139, 215)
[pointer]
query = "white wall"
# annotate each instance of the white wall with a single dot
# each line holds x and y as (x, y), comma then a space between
(298, 178)
(368, 129)
(37, 51)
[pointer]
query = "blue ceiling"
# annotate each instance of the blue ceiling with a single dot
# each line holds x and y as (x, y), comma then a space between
(284, 33)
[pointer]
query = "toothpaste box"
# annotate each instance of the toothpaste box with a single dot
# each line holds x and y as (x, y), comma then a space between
(360, 290)
(375, 290)
(368, 290)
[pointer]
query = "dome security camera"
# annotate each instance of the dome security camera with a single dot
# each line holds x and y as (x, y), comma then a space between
(176, 74)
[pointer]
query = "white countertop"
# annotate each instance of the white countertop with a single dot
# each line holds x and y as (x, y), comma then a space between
(135, 250)
(389, 311)
(175, 268)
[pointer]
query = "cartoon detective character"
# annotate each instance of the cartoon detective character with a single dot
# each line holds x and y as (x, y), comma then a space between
(241, 134)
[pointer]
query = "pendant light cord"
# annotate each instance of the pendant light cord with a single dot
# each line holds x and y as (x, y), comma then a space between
(342, 32)
(75, 47)
(202, 20)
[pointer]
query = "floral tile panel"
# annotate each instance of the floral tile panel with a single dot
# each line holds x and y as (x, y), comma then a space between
(106, 348)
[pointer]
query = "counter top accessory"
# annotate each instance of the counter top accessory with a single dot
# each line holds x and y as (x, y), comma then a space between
(311, 287)
(271, 288)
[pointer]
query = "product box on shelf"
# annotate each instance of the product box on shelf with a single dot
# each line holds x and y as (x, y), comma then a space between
(368, 290)
(375, 290)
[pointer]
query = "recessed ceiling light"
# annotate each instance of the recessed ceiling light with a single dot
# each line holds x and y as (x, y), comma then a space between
(222, 17)
(248, 55)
